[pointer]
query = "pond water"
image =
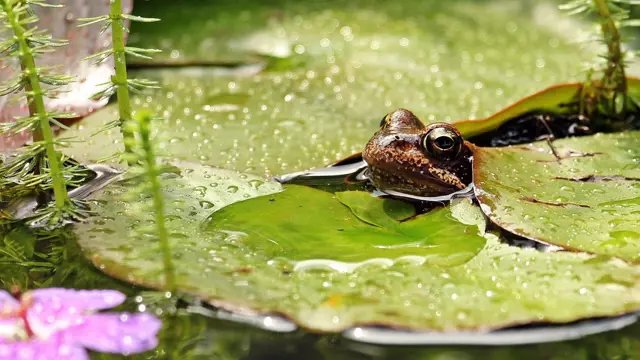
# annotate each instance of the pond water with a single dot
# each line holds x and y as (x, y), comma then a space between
(287, 86)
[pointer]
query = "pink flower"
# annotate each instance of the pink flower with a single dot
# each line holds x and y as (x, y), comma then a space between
(60, 324)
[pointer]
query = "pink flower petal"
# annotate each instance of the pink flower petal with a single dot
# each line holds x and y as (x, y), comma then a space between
(41, 350)
(83, 300)
(55, 309)
(116, 333)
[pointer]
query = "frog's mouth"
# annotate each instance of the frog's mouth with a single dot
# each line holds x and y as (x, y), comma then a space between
(414, 181)
(467, 192)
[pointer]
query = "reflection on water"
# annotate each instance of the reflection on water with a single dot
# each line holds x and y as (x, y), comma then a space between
(198, 337)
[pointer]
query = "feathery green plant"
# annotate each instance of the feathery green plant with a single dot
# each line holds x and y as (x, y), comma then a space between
(607, 94)
(142, 152)
(39, 166)
(120, 84)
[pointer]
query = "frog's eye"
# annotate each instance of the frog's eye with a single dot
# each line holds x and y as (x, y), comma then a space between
(443, 142)
(384, 120)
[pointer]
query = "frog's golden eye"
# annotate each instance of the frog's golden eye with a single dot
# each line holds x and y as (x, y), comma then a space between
(384, 120)
(443, 142)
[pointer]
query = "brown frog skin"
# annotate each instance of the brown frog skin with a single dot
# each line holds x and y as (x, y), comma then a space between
(409, 157)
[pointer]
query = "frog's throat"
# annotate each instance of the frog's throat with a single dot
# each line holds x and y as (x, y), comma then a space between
(424, 185)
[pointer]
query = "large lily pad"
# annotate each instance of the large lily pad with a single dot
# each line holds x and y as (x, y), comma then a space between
(500, 286)
(589, 200)
(357, 62)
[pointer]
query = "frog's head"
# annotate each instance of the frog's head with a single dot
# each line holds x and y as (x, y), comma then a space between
(409, 157)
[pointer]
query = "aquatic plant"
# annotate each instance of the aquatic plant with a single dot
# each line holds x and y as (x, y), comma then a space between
(57, 323)
(120, 84)
(142, 152)
(608, 93)
(39, 166)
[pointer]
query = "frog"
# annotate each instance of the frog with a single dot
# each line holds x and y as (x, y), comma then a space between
(404, 158)
(408, 157)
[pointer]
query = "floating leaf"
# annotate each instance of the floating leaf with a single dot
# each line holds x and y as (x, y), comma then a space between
(302, 223)
(361, 61)
(589, 200)
(500, 286)
(385, 213)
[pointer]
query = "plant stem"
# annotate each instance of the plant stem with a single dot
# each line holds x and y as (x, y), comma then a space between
(158, 200)
(37, 108)
(37, 134)
(614, 75)
(120, 78)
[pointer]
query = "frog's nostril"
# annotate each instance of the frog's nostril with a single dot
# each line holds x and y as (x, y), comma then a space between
(384, 120)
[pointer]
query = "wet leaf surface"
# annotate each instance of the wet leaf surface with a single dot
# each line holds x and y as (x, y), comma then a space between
(381, 213)
(301, 223)
(359, 61)
(500, 286)
(588, 201)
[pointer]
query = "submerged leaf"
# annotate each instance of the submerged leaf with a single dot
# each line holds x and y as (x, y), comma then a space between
(589, 200)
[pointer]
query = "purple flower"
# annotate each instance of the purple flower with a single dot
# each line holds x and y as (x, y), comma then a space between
(60, 323)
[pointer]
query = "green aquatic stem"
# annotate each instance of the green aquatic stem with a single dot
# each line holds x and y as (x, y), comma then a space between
(120, 84)
(614, 74)
(35, 99)
(152, 171)
(608, 94)
(120, 78)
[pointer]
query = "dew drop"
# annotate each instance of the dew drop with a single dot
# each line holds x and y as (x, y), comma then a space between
(206, 204)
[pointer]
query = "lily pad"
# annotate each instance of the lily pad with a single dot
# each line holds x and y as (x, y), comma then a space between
(383, 214)
(500, 286)
(360, 61)
(589, 200)
(302, 223)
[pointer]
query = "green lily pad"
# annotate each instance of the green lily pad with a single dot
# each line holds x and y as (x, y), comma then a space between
(361, 61)
(302, 223)
(500, 286)
(385, 213)
(588, 201)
